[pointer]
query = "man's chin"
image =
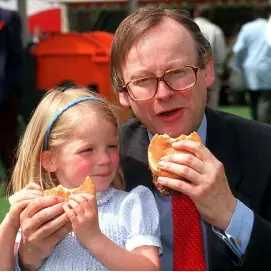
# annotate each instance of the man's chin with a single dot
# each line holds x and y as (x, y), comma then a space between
(173, 131)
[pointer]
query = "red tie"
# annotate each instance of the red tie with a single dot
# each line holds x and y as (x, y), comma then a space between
(188, 252)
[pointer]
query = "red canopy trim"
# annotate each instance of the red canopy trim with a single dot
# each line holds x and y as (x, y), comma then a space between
(49, 20)
(125, 3)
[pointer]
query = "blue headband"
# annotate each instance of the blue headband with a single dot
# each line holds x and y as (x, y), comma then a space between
(69, 105)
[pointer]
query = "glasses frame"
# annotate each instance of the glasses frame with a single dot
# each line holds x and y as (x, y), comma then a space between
(158, 79)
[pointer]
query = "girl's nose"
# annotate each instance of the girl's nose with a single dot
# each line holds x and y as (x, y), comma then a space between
(103, 158)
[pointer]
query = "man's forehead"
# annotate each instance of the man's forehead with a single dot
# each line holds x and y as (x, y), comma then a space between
(167, 26)
(168, 40)
(163, 35)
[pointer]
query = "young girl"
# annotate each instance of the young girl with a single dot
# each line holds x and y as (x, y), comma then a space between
(73, 134)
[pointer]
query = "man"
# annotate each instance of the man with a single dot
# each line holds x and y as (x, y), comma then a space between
(215, 36)
(253, 55)
(10, 72)
(154, 55)
(162, 66)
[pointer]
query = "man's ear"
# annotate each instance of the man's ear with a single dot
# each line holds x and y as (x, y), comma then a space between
(47, 161)
(124, 99)
(209, 73)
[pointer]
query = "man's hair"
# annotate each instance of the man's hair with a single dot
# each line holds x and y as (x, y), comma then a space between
(133, 27)
(203, 11)
(262, 10)
(28, 167)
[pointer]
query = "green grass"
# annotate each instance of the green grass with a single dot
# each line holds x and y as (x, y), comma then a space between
(238, 110)
(4, 204)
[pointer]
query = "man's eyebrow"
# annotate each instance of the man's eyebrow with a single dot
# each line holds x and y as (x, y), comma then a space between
(140, 73)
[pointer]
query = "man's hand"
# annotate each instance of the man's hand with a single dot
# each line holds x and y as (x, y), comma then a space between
(203, 179)
(20, 200)
(43, 224)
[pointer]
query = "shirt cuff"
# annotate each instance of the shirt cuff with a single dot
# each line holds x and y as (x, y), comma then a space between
(240, 227)
(143, 240)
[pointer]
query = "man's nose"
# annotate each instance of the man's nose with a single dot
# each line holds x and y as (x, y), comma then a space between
(163, 91)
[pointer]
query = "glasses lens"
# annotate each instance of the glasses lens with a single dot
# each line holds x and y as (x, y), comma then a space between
(181, 78)
(143, 88)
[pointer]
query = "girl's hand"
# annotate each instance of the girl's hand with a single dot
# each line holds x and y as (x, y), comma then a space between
(83, 214)
(20, 200)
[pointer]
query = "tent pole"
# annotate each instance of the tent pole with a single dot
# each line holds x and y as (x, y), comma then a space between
(22, 10)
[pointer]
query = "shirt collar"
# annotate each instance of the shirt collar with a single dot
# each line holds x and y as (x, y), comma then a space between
(202, 130)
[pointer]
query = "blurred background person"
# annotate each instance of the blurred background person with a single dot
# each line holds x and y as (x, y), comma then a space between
(215, 35)
(35, 37)
(268, 30)
(10, 82)
(37, 34)
(253, 55)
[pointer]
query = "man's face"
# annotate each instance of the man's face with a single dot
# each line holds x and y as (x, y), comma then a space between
(167, 46)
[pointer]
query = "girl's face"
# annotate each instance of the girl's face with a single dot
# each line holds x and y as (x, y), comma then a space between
(91, 150)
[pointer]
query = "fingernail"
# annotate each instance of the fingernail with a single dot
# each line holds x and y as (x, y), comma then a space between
(160, 180)
(176, 144)
(161, 163)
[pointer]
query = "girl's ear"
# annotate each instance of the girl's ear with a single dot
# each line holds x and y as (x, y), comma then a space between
(47, 161)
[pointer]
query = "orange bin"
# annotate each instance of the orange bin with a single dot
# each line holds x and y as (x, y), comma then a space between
(81, 58)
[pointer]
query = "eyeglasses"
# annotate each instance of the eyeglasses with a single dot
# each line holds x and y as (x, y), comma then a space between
(178, 79)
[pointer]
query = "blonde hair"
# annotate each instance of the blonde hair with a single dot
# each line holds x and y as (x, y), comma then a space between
(28, 166)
